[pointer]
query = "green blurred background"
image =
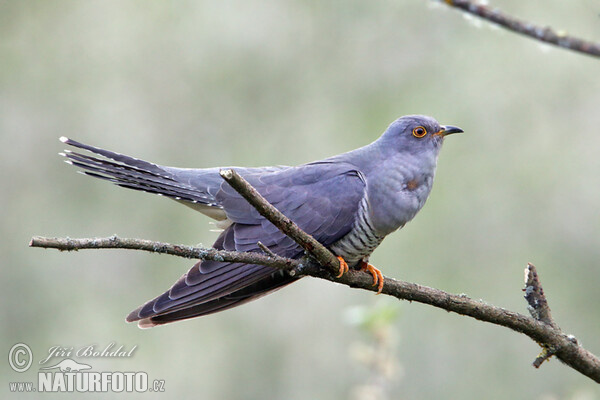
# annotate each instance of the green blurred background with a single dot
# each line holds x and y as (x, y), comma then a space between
(207, 83)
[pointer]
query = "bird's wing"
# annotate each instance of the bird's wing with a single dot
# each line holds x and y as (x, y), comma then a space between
(322, 198)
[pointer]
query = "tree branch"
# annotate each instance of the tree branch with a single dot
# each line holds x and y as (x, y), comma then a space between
(544, 34)
(283, 223)
(565, 347)
(541, 328)
(115, 242)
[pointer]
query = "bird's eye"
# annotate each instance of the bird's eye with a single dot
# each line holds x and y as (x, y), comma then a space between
(419, 132)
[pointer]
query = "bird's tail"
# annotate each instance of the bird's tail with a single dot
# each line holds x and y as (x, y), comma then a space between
(134, 173)
(267, 281)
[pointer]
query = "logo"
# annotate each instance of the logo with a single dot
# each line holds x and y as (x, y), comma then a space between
(65, 374)
(20, 357)
(68, 365)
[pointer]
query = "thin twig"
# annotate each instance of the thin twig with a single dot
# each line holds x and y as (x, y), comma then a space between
(539, 309)
(546, 354)
(534, 294)
(115, 242)
(283, 223)
(544, 34)
(265, 249)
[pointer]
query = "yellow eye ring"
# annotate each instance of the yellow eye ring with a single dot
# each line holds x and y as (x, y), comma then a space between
(419, 132)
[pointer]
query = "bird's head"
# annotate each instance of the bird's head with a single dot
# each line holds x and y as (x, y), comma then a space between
(417, 134)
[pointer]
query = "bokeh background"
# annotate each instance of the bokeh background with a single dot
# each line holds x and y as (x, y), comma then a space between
(207, 83)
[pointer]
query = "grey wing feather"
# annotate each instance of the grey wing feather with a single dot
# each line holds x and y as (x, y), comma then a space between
(322, 200)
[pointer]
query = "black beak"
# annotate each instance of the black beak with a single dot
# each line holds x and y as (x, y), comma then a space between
(449, 130)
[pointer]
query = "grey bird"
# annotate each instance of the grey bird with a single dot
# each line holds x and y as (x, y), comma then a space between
(349, 203)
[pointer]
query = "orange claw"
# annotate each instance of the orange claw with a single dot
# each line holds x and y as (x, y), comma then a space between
(343, 267)
(377, 275)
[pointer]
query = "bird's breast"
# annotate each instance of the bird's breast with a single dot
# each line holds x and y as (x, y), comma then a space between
(397, 194)
(362, 239)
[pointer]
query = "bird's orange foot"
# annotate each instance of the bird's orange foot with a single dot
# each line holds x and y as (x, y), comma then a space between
(343, 267)
(377, 275)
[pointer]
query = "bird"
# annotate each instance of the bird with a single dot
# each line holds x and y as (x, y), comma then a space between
(348, 202)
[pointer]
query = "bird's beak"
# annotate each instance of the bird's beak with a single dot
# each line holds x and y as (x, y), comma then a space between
(448, 130)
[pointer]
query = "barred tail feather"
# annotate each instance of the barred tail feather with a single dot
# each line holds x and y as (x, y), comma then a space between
(134, 173)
